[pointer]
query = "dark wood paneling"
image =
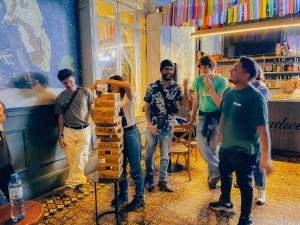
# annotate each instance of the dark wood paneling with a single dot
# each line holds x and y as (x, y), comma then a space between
(32, 138)
(284, 125)
(18, 149)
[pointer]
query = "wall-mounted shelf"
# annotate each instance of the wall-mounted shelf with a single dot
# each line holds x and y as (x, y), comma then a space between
(260, 58)
(285, 72)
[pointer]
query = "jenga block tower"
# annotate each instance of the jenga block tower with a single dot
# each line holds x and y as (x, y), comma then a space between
(109, 131)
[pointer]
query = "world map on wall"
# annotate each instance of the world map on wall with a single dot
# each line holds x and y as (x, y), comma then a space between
(38, 38)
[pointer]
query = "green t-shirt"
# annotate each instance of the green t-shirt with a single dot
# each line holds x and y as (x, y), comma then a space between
(206, 104)
(243, 112)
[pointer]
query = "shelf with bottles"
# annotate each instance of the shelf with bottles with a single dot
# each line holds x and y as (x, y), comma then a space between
(260, 58)
(282, 66)
(284, 72)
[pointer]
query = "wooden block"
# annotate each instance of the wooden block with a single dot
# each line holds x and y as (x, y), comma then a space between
(114, 96)
(111, 145)
(113, 159)
(107, 120)
(108, 131)
(111, 138)
(100, 114)
(110, 174)
(119, 123)
(110, 166)
(110, 151)
(105, 102)
(108, 109)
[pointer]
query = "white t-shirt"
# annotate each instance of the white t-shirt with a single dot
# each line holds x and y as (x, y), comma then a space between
(129, 111)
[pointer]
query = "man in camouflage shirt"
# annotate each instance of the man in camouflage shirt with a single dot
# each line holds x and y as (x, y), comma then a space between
(162, 99)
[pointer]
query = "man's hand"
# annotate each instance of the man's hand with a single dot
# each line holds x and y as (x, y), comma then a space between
(2, 117)
(189, 125)
(207, 81)
(2, 114)
(186, 83)
(266, 164)
(153, 129)
(61, 142)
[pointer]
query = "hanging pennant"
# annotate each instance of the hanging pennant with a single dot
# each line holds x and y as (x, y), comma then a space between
(264, 9)
(210, 9)
(206, 17)
(235, 13)
(270, 8)
(240, 12)
(287, 7)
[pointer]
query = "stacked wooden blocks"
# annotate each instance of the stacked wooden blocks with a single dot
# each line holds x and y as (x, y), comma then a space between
(109, 131)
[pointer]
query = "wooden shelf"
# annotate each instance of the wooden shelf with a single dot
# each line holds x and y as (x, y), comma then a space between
(260, 58)
(285, 72)
(275, 23)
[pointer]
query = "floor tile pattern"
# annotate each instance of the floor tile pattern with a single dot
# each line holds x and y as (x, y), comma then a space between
(188, 203)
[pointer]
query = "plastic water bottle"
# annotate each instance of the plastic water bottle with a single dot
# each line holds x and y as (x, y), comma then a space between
(16, 198)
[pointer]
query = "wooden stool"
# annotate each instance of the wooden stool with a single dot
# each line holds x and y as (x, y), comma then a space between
(33, 214)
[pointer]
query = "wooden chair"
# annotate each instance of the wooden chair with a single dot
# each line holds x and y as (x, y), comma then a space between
(194, 148)
(181, 145)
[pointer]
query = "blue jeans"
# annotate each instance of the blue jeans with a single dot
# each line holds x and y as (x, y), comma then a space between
(208, 153)
(165, 140)
(259, 176)
(133, 154)
(243, 164)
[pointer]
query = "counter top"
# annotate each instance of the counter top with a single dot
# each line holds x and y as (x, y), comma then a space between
(284, 100)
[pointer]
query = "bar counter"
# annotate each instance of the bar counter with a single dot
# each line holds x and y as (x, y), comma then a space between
(284, 123)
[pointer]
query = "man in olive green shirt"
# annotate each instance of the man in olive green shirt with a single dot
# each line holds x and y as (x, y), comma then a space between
(244, 124)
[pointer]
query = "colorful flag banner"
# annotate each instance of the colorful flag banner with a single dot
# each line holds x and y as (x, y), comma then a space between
(206, 13)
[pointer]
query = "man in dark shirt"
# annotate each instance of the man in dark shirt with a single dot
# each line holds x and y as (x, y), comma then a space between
(245, 132)
(162, 100)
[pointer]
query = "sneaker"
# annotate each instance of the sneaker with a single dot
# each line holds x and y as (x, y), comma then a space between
(164, 186)
(236, 185)
(149, 184)
(261, 197)
(222, 207)
(68, 191)
(151, 188)
(136, 203)
(245, 221)
(212, 182)
(121, 201)
(81, 188)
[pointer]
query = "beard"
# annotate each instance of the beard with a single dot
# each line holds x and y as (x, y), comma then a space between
(166, 77)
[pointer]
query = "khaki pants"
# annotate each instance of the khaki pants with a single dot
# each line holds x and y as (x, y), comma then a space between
(76, 152)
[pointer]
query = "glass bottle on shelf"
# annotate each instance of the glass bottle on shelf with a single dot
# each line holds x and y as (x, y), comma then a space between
(274, 66)
(278, 49)
(285, 48)
(296, 65)
(290, 66)
(278, 66)
(277, 82)
(282, 65)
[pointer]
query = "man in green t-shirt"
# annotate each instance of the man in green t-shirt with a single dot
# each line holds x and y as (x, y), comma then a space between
(209, 89)
(244, 129)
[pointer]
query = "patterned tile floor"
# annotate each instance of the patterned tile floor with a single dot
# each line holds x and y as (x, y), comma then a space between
(188, 203)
